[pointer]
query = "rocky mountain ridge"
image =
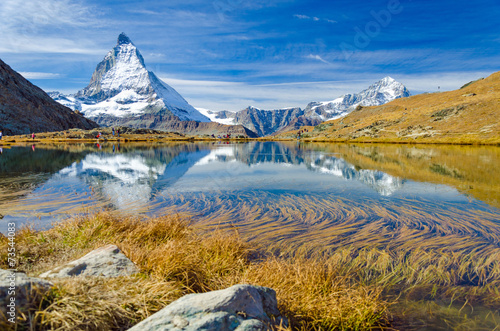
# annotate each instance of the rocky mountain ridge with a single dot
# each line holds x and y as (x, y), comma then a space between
(269, 122)
(25, 108)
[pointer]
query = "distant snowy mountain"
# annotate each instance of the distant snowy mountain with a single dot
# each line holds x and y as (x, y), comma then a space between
(267, 122)
(223, 117)
(383, 91)
(123, 92)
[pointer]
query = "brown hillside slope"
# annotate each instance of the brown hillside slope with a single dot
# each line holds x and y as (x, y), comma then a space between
(25, 108)
(467, 115)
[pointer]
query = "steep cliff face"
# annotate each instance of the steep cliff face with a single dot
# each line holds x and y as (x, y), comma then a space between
(25, 108)
(266, 122)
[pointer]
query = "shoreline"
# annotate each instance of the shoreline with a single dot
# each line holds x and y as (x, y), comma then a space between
(12, 140)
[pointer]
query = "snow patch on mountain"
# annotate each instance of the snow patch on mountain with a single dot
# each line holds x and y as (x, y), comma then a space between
(223, 117)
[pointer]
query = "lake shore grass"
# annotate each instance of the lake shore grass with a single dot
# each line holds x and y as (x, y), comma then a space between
(312, 136)
(347, 288)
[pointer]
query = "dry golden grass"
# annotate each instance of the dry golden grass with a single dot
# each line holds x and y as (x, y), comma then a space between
(465, 116)
(349, 287)
(103, 304)
(174, 260)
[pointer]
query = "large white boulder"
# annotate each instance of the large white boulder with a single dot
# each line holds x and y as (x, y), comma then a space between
(240, 308)
(106, 261)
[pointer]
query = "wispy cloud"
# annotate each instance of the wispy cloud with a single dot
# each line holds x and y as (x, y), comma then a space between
(225, 95)
(40, 75)
(40, 25)
(302, 17)
(144, 12)
(317, 57)
(29, 44)
(313, 18)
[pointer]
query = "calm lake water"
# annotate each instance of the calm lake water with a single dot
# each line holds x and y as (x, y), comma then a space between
(270, 190)
(288, 196)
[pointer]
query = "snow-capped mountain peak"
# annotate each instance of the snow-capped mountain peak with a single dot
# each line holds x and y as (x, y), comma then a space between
(379, 93)
(122, 89)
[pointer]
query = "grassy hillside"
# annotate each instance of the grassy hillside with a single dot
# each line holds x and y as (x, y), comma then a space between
(467, 115)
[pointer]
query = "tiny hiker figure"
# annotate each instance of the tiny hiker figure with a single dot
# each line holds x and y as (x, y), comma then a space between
(33, 136)
(113, 131)
(0, 134)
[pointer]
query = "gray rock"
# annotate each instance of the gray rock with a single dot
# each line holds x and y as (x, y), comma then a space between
(17, 291)
(106, 261)
(239, 308)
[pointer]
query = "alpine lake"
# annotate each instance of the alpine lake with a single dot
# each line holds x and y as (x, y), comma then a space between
(287, 196)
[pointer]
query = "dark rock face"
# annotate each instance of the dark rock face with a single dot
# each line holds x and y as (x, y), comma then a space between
(25, 108)
(298, 123)
(204, 128)
(266, 122)
(170, 123)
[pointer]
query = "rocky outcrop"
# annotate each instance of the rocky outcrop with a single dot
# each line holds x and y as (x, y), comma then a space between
(106, 261)
(25, 108)
(266, 122)
(18, 291)
(240, 307)
(298, 123)
(172, 124)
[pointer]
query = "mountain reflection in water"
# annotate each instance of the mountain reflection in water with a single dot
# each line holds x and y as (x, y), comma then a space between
(152, 179)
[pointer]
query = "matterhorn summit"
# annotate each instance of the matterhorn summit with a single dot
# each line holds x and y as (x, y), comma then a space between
(123, 92)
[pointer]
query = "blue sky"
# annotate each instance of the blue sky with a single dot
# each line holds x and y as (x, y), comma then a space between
(229, 54)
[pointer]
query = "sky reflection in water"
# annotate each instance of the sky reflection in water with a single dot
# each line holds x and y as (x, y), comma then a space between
(147, 180)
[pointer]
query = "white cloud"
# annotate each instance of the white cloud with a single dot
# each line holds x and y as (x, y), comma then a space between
(224, 95)
(33, 44)
(317, 57)
(37, 26)
(316, 19)
(40, 75)
(302, 17)
(447, 81)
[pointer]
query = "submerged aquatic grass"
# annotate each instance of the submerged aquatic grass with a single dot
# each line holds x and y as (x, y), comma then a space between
(344, 287)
